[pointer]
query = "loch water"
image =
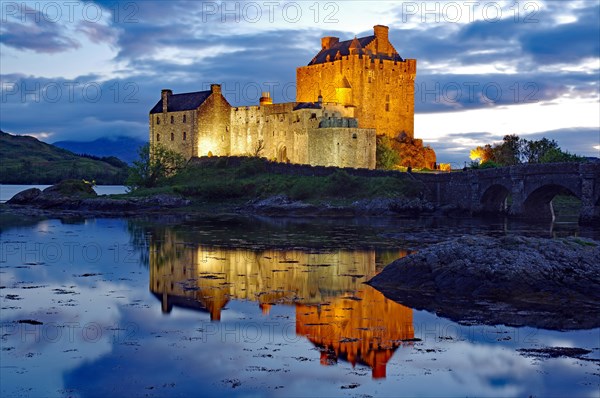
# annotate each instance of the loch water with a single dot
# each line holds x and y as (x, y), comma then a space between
(252, 306)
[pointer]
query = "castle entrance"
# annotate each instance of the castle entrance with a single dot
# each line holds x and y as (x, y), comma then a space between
(282, 155)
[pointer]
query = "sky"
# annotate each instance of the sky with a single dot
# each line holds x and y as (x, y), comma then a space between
(81, 70)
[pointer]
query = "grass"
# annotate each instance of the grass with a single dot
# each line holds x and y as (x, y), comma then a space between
(219, 182)
(25, 160)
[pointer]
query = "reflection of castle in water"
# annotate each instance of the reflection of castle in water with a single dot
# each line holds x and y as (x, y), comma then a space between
(334, 310)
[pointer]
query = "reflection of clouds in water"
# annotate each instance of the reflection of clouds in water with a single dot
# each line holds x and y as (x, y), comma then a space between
(79, 325)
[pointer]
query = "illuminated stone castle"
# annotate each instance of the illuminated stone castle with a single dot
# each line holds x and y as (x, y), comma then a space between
(350, 92)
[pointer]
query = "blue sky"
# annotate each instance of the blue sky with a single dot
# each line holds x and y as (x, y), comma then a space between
(83, 70)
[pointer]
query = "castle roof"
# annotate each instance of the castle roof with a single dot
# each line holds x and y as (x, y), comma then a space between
(344, 49)
(307, 105)
(182, 102)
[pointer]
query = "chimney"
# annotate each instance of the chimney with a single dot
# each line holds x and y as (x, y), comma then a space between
(215, 88)
(164, 95)
(329, 41)
(381, 32)
(265, 98)
(382, 37)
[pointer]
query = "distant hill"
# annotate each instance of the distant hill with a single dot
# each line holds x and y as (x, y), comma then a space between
(26, 160)
(125, 148)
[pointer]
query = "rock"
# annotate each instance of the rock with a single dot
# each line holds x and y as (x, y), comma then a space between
(71, 188)
(556, 282)
(25, 197)
(80, 196)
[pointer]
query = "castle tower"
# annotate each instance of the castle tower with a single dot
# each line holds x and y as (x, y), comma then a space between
(367, 73)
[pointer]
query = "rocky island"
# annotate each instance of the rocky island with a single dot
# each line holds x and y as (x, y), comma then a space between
(512, 280)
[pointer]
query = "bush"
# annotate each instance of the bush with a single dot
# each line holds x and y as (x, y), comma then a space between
(340, 183)
(251, 167)
(387, 157)
(301, 190)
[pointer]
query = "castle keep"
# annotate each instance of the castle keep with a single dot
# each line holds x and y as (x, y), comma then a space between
(350, 92)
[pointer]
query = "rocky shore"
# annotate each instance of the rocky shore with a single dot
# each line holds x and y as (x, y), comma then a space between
(281, 205)
(78, 197)
(549, 283)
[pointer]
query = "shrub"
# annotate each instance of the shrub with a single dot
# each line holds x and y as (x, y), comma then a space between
(251, 167)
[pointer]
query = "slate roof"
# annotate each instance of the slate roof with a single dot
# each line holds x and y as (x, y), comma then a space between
(307, 105)
(344, 48)
(182, 102)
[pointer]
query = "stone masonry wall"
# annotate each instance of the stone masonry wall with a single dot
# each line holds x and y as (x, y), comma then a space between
(170, 130)
(381, 90)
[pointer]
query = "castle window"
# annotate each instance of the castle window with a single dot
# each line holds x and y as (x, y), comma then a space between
(354, 136)
(313, 115)
(157, 120)
(387, 107)
(184, 118)
(172, 137)
(369, 79)
(172, 119)
(184, 135)
(157, 137)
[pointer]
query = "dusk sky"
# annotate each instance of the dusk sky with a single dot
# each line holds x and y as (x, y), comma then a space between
(82, 70)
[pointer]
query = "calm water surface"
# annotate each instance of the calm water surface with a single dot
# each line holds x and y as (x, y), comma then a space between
(253, 307)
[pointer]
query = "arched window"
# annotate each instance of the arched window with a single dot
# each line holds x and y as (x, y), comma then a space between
(184, 135)
(172, 137)
(157, 137)
(172, 119)
(157, 120)
(184, 118)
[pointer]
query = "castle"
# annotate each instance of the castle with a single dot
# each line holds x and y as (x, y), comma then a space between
(349, 93)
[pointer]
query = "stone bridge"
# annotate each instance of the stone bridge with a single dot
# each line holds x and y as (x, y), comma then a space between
(530, 187)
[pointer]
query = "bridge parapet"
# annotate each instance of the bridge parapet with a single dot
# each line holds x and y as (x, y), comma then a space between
(531, 187)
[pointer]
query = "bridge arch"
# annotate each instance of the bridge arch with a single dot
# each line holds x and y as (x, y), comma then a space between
(538, 203)
(494, 199)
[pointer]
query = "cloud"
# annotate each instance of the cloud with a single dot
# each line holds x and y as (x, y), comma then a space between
(30, 29)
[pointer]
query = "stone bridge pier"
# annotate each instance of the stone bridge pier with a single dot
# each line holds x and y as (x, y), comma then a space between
(523, 191)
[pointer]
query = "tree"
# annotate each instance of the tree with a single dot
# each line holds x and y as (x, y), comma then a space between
(387, 157)
(153, 166)
(258, 148)
(515, 150)
(483, 153)
(534, 151)
(509, 152)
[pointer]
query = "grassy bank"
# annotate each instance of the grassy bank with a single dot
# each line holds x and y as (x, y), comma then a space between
(221, 181)
(25, 160)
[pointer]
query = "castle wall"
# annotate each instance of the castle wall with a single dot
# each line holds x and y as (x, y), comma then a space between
(381, 90)
(342, 147)
(212, 128)
(170, 130)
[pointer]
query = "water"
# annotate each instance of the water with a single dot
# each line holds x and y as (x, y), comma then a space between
(8, 191)
(252, 307)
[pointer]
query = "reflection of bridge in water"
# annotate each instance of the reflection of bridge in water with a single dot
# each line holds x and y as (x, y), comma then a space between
(334, 309)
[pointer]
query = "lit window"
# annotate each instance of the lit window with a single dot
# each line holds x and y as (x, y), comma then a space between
(184, 135)
(172, 137)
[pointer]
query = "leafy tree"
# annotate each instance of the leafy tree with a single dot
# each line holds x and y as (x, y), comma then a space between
(154, 165)
(555, 155)
(515, 150)
(533, 151)
(387, 157)
(509, 152)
